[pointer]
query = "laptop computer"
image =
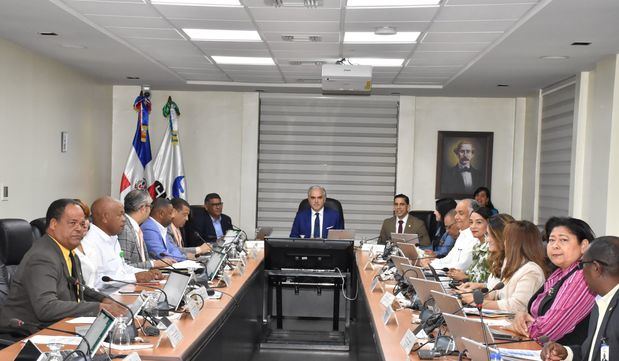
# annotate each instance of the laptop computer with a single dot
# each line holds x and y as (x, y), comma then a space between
(408, 250)
(263, 232)
(447, 303)
(405, 237)
(175, 289)
(424, 288)
(413, 271)
(215, 264)
(398, 262)
(471, 328)
(96, 334)
(477, 351)
(341, 234)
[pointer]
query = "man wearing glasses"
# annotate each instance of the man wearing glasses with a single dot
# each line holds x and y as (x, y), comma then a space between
(600, 265)
(209, 225)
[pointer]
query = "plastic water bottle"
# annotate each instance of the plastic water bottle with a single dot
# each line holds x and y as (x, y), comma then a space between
(495, 356)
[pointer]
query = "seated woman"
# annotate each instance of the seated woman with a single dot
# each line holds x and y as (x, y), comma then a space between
(482, 196)
(522, 271)
(496, 252)
(560, 308)
(478, 271)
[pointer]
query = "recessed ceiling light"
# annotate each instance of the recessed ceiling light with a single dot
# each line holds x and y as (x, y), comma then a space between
(242, 60)
(73, 46)
(554, 57)
(391, 3)
(581, 43)
(376, 61)
(223, 35)
(404, 37)
(133, 77)
(222, 3)
(502, 85)
(48, 33)
(302, 38)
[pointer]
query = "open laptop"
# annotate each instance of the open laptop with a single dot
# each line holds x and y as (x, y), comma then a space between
(175, 289)
(398, 262)
(447, 303)
(424, 288)
(96, 334)
(413, 271)
(471, 328)
(215, 264)
(408, 250)
(341, 234)
(405, 237)
(477, 351)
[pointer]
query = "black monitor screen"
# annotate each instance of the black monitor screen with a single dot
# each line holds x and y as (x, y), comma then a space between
(302, 253)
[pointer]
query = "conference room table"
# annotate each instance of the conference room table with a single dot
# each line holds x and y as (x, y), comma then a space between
(223, 329)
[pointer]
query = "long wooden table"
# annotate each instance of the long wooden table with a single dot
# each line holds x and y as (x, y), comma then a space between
(235, 327)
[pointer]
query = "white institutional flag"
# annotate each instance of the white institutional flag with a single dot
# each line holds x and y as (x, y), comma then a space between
(168, 168)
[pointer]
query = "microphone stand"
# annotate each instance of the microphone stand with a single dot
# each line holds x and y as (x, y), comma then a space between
(478, 297)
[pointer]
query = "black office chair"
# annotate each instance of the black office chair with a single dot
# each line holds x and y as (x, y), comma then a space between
(16, 238)
(329, 203)
(38, 227)
(428, 219)
(196, 212)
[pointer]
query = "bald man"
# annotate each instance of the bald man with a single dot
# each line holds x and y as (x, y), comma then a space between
(102, 252)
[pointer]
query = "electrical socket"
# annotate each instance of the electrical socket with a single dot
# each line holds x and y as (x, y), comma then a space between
(4, 192)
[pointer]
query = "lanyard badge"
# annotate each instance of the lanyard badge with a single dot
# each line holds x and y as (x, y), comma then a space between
(604, 351)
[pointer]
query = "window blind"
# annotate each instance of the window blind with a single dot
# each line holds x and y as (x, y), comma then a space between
(346, 144)
(557, 125)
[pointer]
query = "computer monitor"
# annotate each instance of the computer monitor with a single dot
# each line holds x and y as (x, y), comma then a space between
(302, 253)
(175, 289)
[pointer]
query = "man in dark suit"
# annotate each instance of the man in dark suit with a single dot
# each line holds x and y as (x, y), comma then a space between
(600, 265)
(402, 222)
(318, 220)
(210, 223)
(462, 178)
(43, 290)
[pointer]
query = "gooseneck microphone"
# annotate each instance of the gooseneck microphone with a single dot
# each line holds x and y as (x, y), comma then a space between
(161, 257)
(542, 340)
(133, 332)
(478, 299)
(21, 325)
(165, 295)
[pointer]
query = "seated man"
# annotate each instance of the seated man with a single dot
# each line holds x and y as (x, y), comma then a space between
(180, 216)
(316, 221)
(600, 265)
(446, 243)
(43, 290)
(209, 224)
(402, 222)
(158, 241)
(102, 248)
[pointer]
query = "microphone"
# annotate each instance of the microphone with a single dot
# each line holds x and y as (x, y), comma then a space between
(483, 291)
(161, 258)
(541, 340)
(478, 299)
(197, 234)
(21, 325)
(133, 332)
(165, 295)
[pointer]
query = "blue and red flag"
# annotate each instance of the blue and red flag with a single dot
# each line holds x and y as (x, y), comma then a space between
(138, 172)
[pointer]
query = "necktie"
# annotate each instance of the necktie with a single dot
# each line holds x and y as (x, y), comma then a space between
(317, 226)
(177, 236)
(141, 245)
(74, 274)
(400, 223)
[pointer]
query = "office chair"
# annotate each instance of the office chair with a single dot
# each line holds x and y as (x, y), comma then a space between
(16, 238)
(38, 227)
(329, 203)
(428, 218)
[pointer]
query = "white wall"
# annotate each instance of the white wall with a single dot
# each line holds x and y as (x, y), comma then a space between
(218, 135)
(427, 115)
(40, 98)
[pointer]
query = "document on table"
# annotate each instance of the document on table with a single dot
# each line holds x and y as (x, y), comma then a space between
(187, 264)
(85, 320)
(47, 339)
(487, 313)
(516, 354)
(135, 346)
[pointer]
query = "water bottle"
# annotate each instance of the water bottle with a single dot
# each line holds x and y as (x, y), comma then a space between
(495, 356)
(120, 336)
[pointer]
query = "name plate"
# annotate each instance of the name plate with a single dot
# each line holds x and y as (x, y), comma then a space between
(388, 315)
(387, 299)
(241, 268)
(253, 253)
(408, 341)
(376, 282)
(192, 306)
(132, 357)
(227, 279)
(174, 335)
(368, 266)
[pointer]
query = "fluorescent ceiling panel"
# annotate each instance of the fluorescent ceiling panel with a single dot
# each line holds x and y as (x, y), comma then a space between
(376, 61)
(407, 37)
(222, 35)
(391, 3)
(222, 3)
(243, 60)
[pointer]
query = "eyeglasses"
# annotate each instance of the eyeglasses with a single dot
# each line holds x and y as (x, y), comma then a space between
(216, 204)
(581, 263)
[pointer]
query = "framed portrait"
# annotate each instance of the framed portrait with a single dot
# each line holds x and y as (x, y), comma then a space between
(463, 163)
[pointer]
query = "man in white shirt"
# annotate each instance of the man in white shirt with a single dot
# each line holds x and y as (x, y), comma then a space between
(461, 255)
(102, 249)
(600, 265)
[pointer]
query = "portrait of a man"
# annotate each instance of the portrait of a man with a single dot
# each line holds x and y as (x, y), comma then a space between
(464, 163)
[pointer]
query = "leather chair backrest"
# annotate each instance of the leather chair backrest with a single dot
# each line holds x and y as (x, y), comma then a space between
(428, 219)
(15, 240)
(329, 203)
(38, 227)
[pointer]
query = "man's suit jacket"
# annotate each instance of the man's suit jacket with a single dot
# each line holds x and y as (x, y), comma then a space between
(201, 222)
(41, 292)
(155, 243)
(302, 225)
(453, 183)
(129, 244)
(413, 225)
(610, 323)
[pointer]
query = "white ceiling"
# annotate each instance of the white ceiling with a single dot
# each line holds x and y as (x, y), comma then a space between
(467, 46)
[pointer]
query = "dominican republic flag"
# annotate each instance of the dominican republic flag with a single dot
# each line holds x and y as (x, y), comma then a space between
(169, 172)
(138, 172)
